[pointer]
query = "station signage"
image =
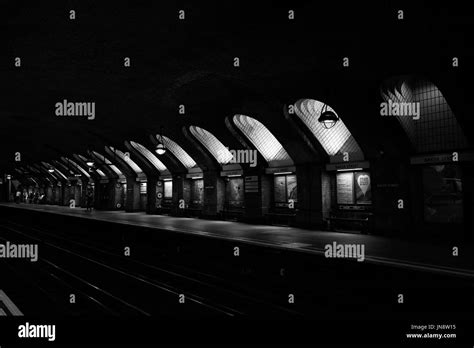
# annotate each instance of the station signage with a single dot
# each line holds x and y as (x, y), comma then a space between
(251, 184)
(291, 169)
(194, 175)
(232, 172)
(347, 165)
(442, 158)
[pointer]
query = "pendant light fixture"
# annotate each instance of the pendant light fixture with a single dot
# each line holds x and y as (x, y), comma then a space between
(327, 117)
(160, 148)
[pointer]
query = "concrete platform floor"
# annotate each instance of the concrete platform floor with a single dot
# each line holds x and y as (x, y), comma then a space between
(382, 250)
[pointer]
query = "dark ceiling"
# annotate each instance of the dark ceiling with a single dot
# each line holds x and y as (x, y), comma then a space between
(190, 62)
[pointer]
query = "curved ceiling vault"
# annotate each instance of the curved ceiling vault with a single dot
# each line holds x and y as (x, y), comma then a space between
(182, 156)
(221, 154)
(159, 166)
(336, 140)
(263, 140)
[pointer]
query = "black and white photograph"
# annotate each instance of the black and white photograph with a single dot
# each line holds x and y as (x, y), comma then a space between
(233, 173)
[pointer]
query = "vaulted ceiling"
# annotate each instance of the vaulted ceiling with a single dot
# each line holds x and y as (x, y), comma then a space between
(190, 62)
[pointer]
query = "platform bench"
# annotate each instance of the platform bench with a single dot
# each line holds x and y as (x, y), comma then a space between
(234, 215)
(362, 222)
(280, 218)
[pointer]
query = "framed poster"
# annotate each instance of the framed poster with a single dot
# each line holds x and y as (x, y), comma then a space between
(197, 191)
(363, 188)
(235, 192)
(291, 187)
(345, 188)
(280, 189)
(168, 189)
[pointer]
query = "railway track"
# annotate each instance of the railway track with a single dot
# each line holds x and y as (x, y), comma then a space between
(123, 286)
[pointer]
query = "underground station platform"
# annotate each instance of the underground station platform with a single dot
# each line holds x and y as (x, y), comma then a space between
(200, 172)
(100, 265)
(377, 250)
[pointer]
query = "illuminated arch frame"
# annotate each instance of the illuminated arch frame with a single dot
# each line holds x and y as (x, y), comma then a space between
(213, 145)
(157, 164)
(336, 140)
(264, 141)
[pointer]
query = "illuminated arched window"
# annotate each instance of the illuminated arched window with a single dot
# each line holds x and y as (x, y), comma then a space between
(66, 170)
(33, 169)
(436, 127)
(149, 156)
(98, 171)
(48, 166)
(107, 162)
(127, 160)
(77, 166)
(212, 144)
(336, 140)
(178, 152)
(265, 142)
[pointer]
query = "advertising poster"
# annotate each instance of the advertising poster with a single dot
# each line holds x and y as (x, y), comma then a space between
(197, 191)
(280, 189)
(168, 189)
(291, 187)
(235, 192)
(345, 188)
(363, 188)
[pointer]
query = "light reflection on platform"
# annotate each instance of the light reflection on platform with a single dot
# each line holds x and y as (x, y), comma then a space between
(378, 249)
